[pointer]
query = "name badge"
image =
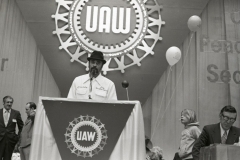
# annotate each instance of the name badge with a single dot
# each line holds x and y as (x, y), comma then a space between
(81, 90)
(101, 92)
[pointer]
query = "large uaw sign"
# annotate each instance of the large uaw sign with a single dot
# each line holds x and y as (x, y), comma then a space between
(105, 20)
(126, 31)
(86, 130)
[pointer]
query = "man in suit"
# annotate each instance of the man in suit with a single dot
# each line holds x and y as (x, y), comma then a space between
(222, 132)
(9, 118)
(26, 135)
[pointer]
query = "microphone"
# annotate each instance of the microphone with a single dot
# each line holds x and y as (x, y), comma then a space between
(125, 85)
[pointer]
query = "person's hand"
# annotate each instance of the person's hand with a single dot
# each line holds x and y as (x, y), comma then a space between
(237, 144)
(32, 113)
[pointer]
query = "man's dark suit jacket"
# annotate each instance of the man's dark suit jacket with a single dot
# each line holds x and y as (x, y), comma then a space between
(26, 135)
(211, 134)
(9, 131)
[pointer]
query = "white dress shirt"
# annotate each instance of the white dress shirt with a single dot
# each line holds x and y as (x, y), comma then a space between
(8, 115)
(99, 88)
(222, 130)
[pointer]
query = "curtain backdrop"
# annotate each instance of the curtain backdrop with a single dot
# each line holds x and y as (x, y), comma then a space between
(205, 79)
(24, 74)
(44, 84)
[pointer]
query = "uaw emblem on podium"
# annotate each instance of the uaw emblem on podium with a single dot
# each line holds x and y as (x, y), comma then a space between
(86, 136)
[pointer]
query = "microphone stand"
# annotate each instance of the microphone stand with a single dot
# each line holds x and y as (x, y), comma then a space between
(127, 94)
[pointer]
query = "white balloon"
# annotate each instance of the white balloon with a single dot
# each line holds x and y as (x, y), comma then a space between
(194, 22)
(173, 55)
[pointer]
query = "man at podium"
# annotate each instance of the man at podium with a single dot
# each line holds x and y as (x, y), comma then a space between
(93, 85)
(222, 132)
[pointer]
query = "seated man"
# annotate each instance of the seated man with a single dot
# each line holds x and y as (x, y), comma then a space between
(222, 132)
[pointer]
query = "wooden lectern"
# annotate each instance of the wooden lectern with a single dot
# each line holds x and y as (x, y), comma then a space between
(220, 152)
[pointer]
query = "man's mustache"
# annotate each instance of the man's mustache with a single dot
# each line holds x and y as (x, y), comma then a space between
(94, 70)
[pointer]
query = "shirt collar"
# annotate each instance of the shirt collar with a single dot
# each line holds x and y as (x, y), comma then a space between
(98, 79)
(5, 110)
(222, 130)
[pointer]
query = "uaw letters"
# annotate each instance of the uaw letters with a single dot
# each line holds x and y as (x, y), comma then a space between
(105, 14)
(85, 136)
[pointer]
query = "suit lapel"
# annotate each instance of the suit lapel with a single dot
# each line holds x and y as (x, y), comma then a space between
(27, 121)
(216, 134)
(10, 117)
(1, 117)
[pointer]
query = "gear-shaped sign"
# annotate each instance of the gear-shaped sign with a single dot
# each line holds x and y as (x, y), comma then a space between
(126, 31)
(86, 136)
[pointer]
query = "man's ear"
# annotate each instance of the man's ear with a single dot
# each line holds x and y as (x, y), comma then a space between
(220, 115)
(102, 66)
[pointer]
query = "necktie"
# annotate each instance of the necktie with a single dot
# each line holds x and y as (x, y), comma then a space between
(224, 137)
(90, 89)
(6, 117)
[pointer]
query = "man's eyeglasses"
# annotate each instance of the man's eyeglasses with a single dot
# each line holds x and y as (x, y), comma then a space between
(226, 118)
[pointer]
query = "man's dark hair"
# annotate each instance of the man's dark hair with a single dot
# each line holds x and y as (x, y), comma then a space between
(148, 143)
(228, 108)
(6, 97)
(32, 105)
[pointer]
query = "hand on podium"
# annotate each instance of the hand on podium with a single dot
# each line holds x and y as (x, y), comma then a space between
(237, 144)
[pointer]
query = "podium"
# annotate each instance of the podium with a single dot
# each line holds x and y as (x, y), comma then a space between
(220, 152)
(70, 129)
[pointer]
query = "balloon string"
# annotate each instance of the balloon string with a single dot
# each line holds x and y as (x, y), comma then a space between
(162, 100)
(177, 80)
(127, 94)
